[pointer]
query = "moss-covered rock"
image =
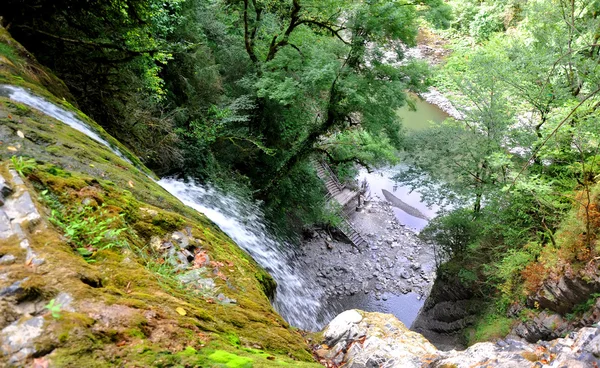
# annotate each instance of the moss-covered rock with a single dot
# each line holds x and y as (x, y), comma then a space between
(129, 305)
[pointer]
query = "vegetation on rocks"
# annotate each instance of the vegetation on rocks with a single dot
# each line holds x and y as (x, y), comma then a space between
(100, 240)
(243, 93)
(520, 169)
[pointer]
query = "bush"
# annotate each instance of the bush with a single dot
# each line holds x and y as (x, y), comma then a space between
(487, 21)
(452, 232)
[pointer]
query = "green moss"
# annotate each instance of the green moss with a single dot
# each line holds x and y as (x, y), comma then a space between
(8, 52)
(230, 360)
(489, 327)
(233, 339)
(126, 312)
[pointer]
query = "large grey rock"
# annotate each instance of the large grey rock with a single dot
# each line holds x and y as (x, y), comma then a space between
(18, 338)
(359, 339)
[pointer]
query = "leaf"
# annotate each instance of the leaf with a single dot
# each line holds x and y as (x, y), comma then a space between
(200, 259)
(181, 311)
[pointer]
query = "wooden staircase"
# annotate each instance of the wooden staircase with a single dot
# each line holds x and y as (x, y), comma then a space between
(334, 190)
(333, 185)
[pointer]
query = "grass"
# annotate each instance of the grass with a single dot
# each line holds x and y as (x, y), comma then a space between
(22, 166)
(8, 52)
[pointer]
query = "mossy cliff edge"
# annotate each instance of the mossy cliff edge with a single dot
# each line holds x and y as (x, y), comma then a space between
(104, 268)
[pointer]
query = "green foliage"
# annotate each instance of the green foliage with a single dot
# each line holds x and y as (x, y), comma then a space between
(21, 165)
(88, 230)
(54, 308)
(490, 327)
(581, 308)
(451, 233)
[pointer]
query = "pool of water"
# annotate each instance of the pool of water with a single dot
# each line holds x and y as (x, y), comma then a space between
(422, 117)
(381, 179)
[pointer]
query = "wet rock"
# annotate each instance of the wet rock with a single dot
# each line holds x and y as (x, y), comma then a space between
(13, 289)
(7, 259)
(5, 228)
(181, 239)
(18, 338)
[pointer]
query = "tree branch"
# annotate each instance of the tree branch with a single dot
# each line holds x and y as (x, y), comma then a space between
(94, 44)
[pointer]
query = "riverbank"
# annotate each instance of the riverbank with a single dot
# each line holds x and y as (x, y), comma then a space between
(393, 273)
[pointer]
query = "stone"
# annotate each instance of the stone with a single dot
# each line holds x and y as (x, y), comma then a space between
(5, 189)
(181, 239)
(225, 300)
(22, 209)
(64, 300)
(342, 326)
(155, 243)
(18, 338)
(32, 258)
(375, 340)
(5, 228)
(593, 347)
(14, 288)
(7, 259)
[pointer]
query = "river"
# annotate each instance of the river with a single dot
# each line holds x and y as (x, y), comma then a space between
(381, 179)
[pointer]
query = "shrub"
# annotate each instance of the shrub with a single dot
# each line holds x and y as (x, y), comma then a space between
(451, 232)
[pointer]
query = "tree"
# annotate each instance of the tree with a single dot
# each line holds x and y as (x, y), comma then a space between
(328, 58)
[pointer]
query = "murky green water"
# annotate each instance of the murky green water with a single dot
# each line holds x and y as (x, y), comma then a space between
(420, 119)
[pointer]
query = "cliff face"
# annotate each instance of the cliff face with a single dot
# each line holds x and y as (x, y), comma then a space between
(100, 267)
(448, 310)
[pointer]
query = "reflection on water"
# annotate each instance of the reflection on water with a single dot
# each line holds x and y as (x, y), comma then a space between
(381, 179)
(404, 306)
(420, 119)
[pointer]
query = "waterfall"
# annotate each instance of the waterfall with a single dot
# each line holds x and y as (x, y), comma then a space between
(68, 117)
(297, 298)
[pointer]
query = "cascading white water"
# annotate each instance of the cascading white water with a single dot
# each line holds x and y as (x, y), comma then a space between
(68, 117)
(297, 298)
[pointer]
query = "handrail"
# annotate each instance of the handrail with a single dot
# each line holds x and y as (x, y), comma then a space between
(332, 175)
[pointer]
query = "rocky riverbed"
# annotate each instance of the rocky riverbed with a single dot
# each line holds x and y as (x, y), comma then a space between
(393, 273)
